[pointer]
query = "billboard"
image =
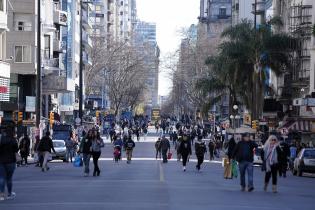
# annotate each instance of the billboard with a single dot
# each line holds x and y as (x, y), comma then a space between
(155, 114)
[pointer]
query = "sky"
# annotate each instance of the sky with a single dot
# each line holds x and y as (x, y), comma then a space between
(170, 16)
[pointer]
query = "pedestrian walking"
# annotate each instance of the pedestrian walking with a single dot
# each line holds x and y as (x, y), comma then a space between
(200, 150)
(211, 146)
(37, 156)
(165, 147)
(97, 144)
(185, 150)
(227, 161)
(157, 146)
(70, 145)
(24, 148)
(45, 147)
(85, 149)
(244, 155)
(129, 146)
(8, 149)
(272, 159)
(284, 157)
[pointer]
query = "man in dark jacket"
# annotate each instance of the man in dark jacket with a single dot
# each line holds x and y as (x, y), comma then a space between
(85, 149)
(45, 147)
(185, 149)
(200, 149)
(129, 146)
(165, 146)
(8, 148)
(244, 154)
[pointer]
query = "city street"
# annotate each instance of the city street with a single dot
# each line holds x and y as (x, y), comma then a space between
(148, 184)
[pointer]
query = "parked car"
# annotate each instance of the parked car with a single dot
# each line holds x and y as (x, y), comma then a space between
(257, 156)
(304, 162)
(60, 148)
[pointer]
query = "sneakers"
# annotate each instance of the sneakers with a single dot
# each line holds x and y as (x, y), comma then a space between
(86, 174)
(250, 189)
(274, 188)
(184, 168)
(2, 197)
(243, 189)
(11, 196)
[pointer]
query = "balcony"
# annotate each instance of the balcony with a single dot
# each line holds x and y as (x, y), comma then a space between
(59, 46)
(86, 20)
(3, 21)
(86, 59)
(54, 65)
(60, 17)
(54, 84)
(86, 39)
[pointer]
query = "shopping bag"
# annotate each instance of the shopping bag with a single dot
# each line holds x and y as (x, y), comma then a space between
(36, 159)
(228, 171)
(18, 157)
(49, 157)
(78, 162)
(225, 161)
(169, 155)
(234, 169)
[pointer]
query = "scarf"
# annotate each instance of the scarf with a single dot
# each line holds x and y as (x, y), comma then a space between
(271, 157)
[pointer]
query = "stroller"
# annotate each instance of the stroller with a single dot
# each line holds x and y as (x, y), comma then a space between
(117, 153)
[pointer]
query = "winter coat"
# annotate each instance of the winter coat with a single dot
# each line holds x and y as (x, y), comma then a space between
(25, 146)
(46, 145)
(200, 148)
(130, 144)
(165, 144)
(8, 148)
(244, 151)
(97, 145)
(85, 146)
(185, 147)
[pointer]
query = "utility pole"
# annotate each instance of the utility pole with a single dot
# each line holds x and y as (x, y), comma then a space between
(81, 66)
(39, 66)
(253, 83)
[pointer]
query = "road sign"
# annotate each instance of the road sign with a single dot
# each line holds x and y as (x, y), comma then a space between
(77, 121)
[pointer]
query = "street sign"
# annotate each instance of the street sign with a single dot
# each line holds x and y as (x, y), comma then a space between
(77, 121)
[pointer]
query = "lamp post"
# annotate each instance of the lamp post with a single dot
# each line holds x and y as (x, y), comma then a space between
(234, 117)
(39, 72)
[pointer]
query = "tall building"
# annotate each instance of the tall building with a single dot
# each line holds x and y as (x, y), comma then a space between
(215, 16)
(296, 87)
(145, 35)
(242, 9)
(4, 64)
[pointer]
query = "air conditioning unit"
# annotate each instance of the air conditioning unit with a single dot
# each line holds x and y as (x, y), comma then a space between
(297, 102)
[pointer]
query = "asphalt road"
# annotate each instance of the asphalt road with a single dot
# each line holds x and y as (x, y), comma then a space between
(150, 185)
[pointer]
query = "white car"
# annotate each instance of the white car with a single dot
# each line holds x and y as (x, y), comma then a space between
(60, 148)
(304, 162)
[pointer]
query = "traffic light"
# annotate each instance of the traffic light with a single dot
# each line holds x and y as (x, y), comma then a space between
(20, 117)
(97, 115)
(255, 124)
(51, 118)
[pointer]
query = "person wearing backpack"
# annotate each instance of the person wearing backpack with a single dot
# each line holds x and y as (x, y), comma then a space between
(200, 150)
(129, 146)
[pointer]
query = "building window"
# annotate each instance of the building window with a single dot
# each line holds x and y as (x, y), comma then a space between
(47, 47)
(1, 5)
(222, 12)
(22, 22)
(121, 13)
(121, 23)
(22, 54)
(121, 3)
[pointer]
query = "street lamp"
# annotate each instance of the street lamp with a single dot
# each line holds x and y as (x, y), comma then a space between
(39, 67)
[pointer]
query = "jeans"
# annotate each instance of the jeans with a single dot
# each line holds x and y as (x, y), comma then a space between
(158, 154)
(273, 174)
(69, 154)
(86, 162)
(164, 156)
(244, 167)
(200, 161)
(45, 160)
(6, 173)
(96, 156)
(129, 154)
(185, 158)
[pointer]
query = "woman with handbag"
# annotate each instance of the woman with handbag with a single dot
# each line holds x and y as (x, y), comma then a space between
(270, 155)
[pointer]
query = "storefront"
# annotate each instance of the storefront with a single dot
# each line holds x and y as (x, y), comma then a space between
(4, 87)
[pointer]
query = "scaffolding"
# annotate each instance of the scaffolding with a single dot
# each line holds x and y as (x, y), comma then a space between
(301, 28)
